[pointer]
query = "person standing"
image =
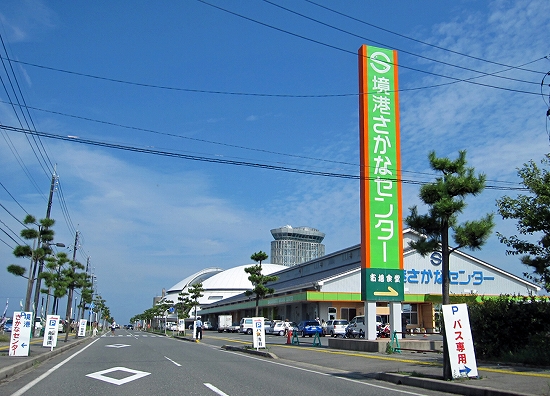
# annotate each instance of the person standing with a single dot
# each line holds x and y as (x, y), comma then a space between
(94, 329)
(198, 326)
(113, 327)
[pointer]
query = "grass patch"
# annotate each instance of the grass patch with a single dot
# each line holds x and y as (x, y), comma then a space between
(4, 338)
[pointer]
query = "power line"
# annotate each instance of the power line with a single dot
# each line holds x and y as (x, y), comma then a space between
(223, 161)
(418, 41)
(484, 74)
(455, 80)
(152, 131)
(12, 197)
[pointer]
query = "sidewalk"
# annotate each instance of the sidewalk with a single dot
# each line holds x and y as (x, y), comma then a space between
(11, 365)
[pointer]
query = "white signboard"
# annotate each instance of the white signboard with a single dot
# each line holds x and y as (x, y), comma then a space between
(459, 340)
(181, 325)
(20, 334)
(258, 333)
(50, 331)
(82, 327)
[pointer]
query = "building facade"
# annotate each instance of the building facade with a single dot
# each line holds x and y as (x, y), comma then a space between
(296, 245)
(329, 287)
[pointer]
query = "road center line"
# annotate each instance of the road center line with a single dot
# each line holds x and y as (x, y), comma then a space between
(177, 364)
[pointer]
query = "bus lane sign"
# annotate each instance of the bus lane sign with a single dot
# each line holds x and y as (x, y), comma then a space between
(459, 340)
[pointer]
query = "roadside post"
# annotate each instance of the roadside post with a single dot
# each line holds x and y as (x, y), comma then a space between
(459, 337)
(82, 327)
(21, 334)
(258, 333)
(50, 331)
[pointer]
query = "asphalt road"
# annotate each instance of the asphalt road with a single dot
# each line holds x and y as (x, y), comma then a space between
(137, 363)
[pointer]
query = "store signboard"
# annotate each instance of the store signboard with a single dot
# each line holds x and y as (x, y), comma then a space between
(258, 332)
(82, 327)
(381, 203)
(20, 338)
(459, 340)
(50, 331)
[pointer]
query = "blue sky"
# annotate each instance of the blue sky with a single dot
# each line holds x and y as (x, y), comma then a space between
(258, 84)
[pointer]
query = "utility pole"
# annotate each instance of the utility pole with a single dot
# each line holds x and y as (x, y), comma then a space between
(70, 297)
(44, 245)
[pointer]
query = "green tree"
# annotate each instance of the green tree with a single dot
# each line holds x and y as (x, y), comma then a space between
(445, 198)
(258, 280)
(42, 235)
(52, 277)
(72, 280)
(533, 215)
(195, 292)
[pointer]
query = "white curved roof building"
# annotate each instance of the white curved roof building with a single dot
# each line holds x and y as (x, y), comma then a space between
(218, 284)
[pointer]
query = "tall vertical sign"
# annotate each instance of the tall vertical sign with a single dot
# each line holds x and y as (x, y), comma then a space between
(20, 338)
(381, 211)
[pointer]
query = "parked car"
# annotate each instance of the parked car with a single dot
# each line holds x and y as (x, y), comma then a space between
(246, 326)
(38, 324)
(61, 326)
(357, 326)
(310, 327)
(234, 328)
(277, 328)
(336, 327)
(8, 325)
(207, 325)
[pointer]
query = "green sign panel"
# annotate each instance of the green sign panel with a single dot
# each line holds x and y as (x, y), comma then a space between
(381, 212)
(383, 284)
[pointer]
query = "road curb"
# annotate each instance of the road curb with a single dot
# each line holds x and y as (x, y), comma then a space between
(443, 386)
(7, 372)
(250, 351)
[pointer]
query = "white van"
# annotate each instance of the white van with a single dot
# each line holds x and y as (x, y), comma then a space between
(246, 325)
(357, 327)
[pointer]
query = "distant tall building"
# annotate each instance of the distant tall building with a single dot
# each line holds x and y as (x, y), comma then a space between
(296, 245)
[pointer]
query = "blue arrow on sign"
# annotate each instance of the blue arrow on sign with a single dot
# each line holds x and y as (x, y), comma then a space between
(171, 309)
(466, 370)
(23, 345)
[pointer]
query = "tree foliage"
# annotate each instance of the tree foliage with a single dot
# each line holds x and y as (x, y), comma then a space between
(511, 328)
(42, 235)
(258, 280)
(533, 215)
(445, 198)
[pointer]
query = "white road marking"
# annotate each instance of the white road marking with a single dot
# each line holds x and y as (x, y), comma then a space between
(177, 364)
(47, 373)
(136, 375)
(325, 374)
(117, 346)
(215, 390)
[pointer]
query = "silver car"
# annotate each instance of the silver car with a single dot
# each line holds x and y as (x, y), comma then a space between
(278, 327)
(336, 327)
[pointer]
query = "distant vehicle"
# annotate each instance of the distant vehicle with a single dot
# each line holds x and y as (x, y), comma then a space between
(275, 327)
(309, 328)
(8, 325)
(207, 325)
(337, 327)
(38, 323)
(235, 327)
(130, 327)
(224, 323)
(173, 327)
(357, 326)
(246, 326)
